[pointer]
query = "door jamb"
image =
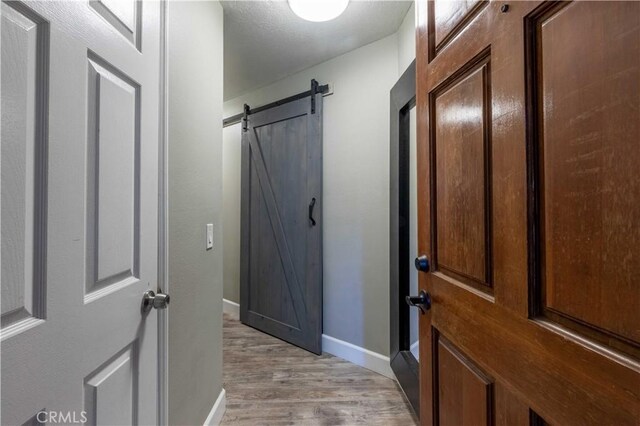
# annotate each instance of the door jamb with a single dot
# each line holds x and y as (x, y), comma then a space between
(404, 365)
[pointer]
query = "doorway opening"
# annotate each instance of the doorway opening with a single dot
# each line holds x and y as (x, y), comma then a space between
(403, 231)
(281, 218)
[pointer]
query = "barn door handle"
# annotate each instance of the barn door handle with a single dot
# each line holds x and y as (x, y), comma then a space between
(312, 221)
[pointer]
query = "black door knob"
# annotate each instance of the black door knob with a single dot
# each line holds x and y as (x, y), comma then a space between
(422, 301)
(422, 263)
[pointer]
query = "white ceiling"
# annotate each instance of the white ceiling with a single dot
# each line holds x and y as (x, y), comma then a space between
(265, 41)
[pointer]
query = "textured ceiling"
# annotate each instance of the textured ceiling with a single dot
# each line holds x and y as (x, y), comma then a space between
(265, 41)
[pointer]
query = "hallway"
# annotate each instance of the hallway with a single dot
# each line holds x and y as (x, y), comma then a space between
(272, 382)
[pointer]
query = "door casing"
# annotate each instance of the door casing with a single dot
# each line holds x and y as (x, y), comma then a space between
(403, 363)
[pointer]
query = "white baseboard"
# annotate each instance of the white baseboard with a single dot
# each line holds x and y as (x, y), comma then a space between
(360, 356)
(231, 308)
(217, 411)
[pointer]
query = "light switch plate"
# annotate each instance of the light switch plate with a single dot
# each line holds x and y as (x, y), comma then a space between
(209, 236)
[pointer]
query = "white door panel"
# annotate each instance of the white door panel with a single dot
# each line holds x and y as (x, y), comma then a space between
(79, 199)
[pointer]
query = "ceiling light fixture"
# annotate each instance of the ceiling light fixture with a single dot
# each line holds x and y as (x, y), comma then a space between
(318, 10)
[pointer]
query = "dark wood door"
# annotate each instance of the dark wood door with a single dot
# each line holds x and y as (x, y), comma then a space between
(281, 242)
(529, 211)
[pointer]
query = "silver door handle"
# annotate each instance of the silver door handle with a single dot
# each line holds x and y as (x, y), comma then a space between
(152, 300)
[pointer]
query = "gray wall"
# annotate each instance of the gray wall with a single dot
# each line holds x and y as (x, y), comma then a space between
(407, 40)
(356, 185)
(195, 199)
(231, 160)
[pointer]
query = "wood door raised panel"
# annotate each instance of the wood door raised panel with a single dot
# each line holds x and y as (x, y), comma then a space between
(448, 18)
(461, 146)
(465, 394)
(588, 95)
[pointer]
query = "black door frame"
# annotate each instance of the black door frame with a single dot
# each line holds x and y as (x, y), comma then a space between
(403, 363)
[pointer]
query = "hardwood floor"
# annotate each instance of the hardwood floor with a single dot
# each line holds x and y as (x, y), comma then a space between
(270, 382)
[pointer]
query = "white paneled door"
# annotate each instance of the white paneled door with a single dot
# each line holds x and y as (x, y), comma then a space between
(79, 211)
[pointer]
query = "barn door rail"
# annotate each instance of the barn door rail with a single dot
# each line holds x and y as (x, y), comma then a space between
(242, 117)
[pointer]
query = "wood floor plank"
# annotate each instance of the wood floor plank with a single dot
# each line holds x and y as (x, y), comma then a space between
(270, 382)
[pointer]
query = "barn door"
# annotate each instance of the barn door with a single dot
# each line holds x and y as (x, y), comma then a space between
(529, 204)
(80, 111)
(281, 275)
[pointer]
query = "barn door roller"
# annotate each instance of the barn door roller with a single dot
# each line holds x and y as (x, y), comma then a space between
(245, 117)
(314, 90)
